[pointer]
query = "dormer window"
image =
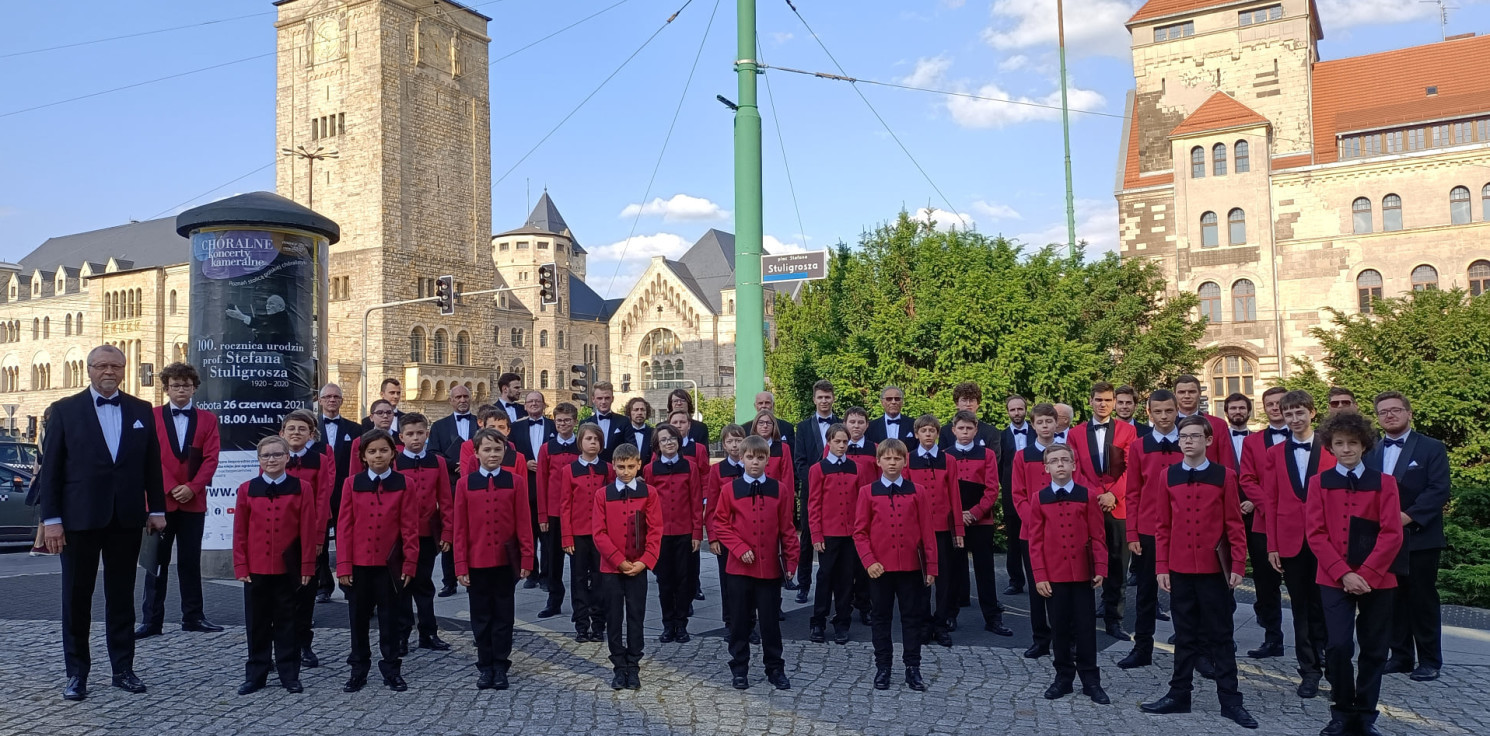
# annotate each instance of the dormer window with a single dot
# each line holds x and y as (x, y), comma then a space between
(1175, 31)
(1260, 15)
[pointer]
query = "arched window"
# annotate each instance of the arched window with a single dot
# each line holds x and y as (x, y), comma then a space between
(1209, 237)
(520, 369)
(173, 301)
(1243, 162)
(79, 323)
(46, 327)
(1459, 206)
(1197, 163)
(35, 328)
(678, 369)
(1485, 201)
(1479, 277)
(731, 309)
(463, 348)
(1424, 277)
(1232, 374)
(543, 338)
(1367, 288)
(561, 339)
(1210, 302)
(1218, 159)
(1360, 215)
(1236, 221)
(437, 349)
(646, 374)
(416, 345)
(1243, 301)
(67, 326)
(1391, 213)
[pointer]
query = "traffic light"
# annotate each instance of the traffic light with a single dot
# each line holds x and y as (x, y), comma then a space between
(548, 284)
(445, 294)
(582, 379)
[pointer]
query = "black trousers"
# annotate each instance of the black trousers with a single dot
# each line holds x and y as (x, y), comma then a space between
(553, 563)
(945, 602)
(372, 591)
(1146, 601)
(584, 570)
(625, 607)
(540, 540)
(1118, 559)
(754, 599)
(835, 583)
(804, 536)
(1039, 608)
(724, 603)
(673, 591)
(1073, 628)
(1014, 559)
(1417, 625)
(1201, 607)
(184, 532)
(325, 581)
(861, 585)
(908, 591)
(492, 611)
(695, 568)
(269, 603)
(305, 612)
(1309, 633)
(1269, 584)
(119, 548)
(1368, 619)
(447, 566)
(420, 593)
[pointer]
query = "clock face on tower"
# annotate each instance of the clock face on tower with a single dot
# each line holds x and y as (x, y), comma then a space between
(326, 37)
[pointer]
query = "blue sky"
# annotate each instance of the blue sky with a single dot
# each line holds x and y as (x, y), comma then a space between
(154, 149)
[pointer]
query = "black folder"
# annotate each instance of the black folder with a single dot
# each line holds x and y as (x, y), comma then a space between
(514, 557)
(1361, 540)
(291, 558)
(1223, 556)
(637, 545)
(972, 493)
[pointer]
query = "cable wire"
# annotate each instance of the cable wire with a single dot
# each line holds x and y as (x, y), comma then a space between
(597, 13)
(133, 35)
(177, 75)
(781, 139)
(210, 191)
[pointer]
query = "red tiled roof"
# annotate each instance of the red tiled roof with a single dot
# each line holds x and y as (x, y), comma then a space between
(1132, 179)
(1161, 8)
(1220, 111)
(1290, 162)
(1389, 88)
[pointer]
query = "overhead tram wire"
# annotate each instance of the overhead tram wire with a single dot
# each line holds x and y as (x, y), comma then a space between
(133, 35)
(678, 111)
(521, 49)
(781, 139)
(593, 92)
(210, 191)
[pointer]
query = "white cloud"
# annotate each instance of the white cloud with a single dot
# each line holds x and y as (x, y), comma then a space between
(1337, 14)
(1093, 27)
(780, 37)
(1014, 63)
(944, 220)
(953, 4)
(990, 113)
(928, 72)
(7, 211)
(991, 211)
(680, 208)
(776, 247)
(642, 246)
(1096, 223)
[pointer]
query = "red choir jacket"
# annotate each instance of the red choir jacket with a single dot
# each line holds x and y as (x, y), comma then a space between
(578, 483)
(616, 526)
(936, 478)
(977, 482)
(193, 467)
(375, 515)
(554, 458)
(1286, 494)
(757, 517)
(721, 475)
(863, 455)
(355, 466)
(1026, 478)
(1220, 433)
(491, 521)
(1199, 513)
(317, 470)
(779, 467)
(1366, 517)
(1120, 436)
(272, 522)
(677, 489)
(1068, 537)
(832, 493)
(699, 454)
(428, 479)
(510, 459)
(1249, 478)
(1148, 462)
(892, 527)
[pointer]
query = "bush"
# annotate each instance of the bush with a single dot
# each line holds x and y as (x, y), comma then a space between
(1466, 585)
(1467, 546)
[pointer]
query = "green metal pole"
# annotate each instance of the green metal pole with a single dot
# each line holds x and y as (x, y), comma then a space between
(750, 357)
(1060, 24)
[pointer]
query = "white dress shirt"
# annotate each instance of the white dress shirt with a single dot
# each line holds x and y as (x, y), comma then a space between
(927, 452)
(331, 433)
(1301, 456)
(463, 428)
(181, 421)
(535, 436)
(1067, 488)
(1236, 446)
(958, 446)
(604, 422)
(272, 480)
(379, 476)
(1101, 440)
(110, 419)
(1390, 455)
(1021, 435)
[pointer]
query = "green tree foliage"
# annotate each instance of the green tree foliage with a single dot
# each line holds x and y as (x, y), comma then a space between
(717, 413)
(926, 310)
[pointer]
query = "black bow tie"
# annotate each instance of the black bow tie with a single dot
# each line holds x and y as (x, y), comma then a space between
(888, 420)
(462, 417)
(101, 401)
(1100, 425)
(328, 420)
(1192, 475)
(1295, 446)
(1240, 432)
(295, 461)
(1352, 482)
(1023, 431)
(1168, 445)
(1060, 435)
(825, 420)
(1062, 494)
(1278, 432)
(1394, 443)
(179, 412)
(271, 489)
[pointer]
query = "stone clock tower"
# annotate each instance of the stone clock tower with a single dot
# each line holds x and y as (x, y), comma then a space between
(398, 91)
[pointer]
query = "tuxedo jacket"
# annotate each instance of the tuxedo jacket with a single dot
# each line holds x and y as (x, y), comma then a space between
(192, 466)
(445, 441)
(85, 487)
(615, 436)
(808, 448)
(788, 432)
(1422, 474)
(905, 430)
(523, 440)
(347, 432)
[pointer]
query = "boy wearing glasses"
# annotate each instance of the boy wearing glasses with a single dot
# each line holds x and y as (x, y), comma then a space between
(382, 416)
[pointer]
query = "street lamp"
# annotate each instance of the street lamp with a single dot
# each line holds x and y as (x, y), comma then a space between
(311, 157)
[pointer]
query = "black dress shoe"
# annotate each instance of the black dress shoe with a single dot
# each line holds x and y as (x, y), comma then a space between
(308, 659)
(395, 683)
(618, 680)
(597, 635)
(145, 631)
(1115, 630)
(487, 680)
(292, 686)
(740, 682)
(1014, 590)
(804, 595)
(1140, 656)
(127, 682)
(549, 612)
(943, 638)
(355, 683)
(998, 628)
(323, 598)
(250, 687)
(1165, 705)
(1367, 729)
(1308, 687)
(530, 583)
(543, 584)
(1097, 694)
(1394, 666)
(633, 679)
(778, 678)
(581, 635)
(790, 584)
(77, 689)
(667, 635)
(840, 634)
(882, 678)
(952, 624)
(1266, 651)
(1037, 651)
(433, 641)
(1336, 726)
(913, 679)
(1161, 616)
(201, 625)
(1239, 715)
(818, 635)
(500, 681)
(681, 635)
(446, 591)
(1057, 690)
(1424, 673)
(698, 595)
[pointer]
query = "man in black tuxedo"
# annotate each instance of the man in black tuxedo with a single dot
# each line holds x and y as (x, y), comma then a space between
(1125, 406)
(892, 423)
(968, 396)
(392, 392)
(102, 483)
(1013, 439)
(509, 394)
(446, 436)
(612, 425)
(529, 434)
(1421, 466)
(806, 452)
(337, 432)
(766, 401)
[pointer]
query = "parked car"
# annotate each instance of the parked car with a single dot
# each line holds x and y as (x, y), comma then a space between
(23, 456)
(17, 520)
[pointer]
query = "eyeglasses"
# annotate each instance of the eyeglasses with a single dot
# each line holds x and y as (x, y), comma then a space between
(1392, 411)
(179, 386)
(382, 412)
(1192, 435)
(116, 367)
(272, 455)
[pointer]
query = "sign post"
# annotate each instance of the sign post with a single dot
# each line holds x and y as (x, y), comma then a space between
(812, 264)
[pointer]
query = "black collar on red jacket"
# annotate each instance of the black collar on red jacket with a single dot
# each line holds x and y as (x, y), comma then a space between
(1151, 445)
(728, 469)
(906, 488)
(922, 462)
(310, 460)
(1213, 475)
(1033, 453)
(509, 458)
(394, 482)
(289, 485)
(478, 482)
(612, 493)
(1078, 494)
(580, 469)
(857, 451)
(746, 489)
(1370, 480)
(976, 452)
(679, 466)
(842, 466)
(169, 420)
(557, 448)
(776, 446)
(404, 462)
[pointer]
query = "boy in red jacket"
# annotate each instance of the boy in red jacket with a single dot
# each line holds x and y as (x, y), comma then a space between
(315, 466)
(1068, 559)
(674, 479)
(1027, 476)
(628, 535)
(1200, 529)
(578, 483)
(833, 485)
(493, 549)
(935, 476)
(754, 521)
(721, 477)
(894, 537)
(429, 482)
(274, 555)
(978, 496)
(554, 456)
(1354, 526)
(1149, 458)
